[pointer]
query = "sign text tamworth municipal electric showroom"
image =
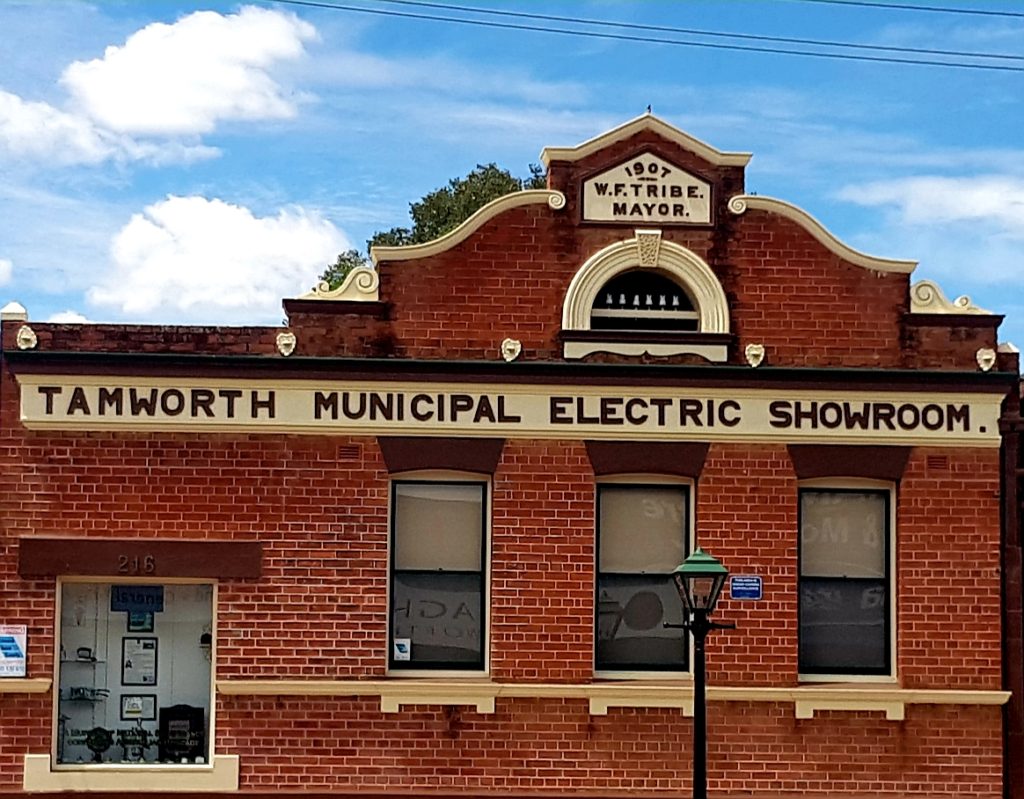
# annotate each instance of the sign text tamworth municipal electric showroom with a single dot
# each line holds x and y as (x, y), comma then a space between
(305, 406)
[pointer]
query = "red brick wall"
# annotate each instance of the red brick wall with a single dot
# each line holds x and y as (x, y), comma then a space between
(148, 338)
(322, 604)
(805, 304)
(747, 517)
(785, 289)
(543, 745)
(948, 552)
(542, 555)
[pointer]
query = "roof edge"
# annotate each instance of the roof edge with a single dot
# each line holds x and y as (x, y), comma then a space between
(554, 199)
(743, 202)
(77, 362)
(644, 122)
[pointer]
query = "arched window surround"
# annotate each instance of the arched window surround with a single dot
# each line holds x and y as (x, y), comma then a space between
(646, 250)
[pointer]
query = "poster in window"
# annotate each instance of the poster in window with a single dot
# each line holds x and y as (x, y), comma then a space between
(138, 661)
(138, 707)
(140, 621)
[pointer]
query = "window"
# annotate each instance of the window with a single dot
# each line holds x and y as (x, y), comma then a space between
(642, 538)
(437, 575)
(845, 587)
(134, 673)
(642, 299)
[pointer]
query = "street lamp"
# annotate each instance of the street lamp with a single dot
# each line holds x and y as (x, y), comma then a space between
(699, 581)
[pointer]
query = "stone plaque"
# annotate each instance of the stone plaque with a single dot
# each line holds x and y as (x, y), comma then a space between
(647, 189)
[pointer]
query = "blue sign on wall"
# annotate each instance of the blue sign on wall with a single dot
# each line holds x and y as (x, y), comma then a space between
(745, 587)
(137, 598)
(9, 647)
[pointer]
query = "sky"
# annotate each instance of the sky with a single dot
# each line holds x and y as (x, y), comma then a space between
(194, 163)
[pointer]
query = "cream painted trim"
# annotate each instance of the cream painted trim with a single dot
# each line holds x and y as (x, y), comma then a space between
(681, 265)
(219, 776)
(807, 700)
(554, 199)
(13, 312)
(641, 676)
(604, 695)
(636, 125)
(294, 412)
(894, 710)
(360, 285)
(868, 680)
(927, 297)
(574, 350)
(742, 202)
(25, 685)
(422, 692)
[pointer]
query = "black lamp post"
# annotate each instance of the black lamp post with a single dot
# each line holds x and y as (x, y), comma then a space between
(699, 581)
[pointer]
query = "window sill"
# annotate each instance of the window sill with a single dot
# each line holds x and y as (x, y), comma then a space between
(480, 694)
(578, 344)
(21, 685)
(602, 696)
(40, 775)
(892, 700)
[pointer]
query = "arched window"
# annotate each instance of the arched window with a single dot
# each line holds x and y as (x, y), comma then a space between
(642, 299)
(646, 296)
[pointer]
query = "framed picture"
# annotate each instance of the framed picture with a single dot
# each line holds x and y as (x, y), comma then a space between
(138, 707)
(138, 661)
(140, 621)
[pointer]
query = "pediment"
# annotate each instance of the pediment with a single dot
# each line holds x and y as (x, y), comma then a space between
(641, 124)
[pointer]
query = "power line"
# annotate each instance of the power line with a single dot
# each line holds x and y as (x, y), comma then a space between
(648, 39)
(699, 32)
(982, 12)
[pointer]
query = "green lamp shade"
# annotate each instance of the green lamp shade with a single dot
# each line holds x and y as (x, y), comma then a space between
(699, 581)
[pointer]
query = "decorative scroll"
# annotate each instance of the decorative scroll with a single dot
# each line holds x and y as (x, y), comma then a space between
(360, 285)
(927, 297)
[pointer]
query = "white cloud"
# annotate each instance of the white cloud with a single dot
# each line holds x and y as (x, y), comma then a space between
(39, 130)
(987, 36)
(205, 258)
(6, 270)
(68, 317)
(965, 231)
(995, 201)
(151, 98)
(444, 75)
(186, 77)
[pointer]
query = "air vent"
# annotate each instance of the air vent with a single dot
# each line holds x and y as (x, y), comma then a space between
(936, 462)
(643, 300)
(350, 452)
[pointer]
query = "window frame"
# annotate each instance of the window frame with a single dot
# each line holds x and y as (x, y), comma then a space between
(129, 767)
(641, 481)
(856, 485)
(442, 477)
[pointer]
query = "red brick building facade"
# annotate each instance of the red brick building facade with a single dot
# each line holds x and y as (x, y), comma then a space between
(415, 543)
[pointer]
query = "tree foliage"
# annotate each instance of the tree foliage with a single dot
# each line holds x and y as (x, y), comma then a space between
(336, 273)
(440, 211)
